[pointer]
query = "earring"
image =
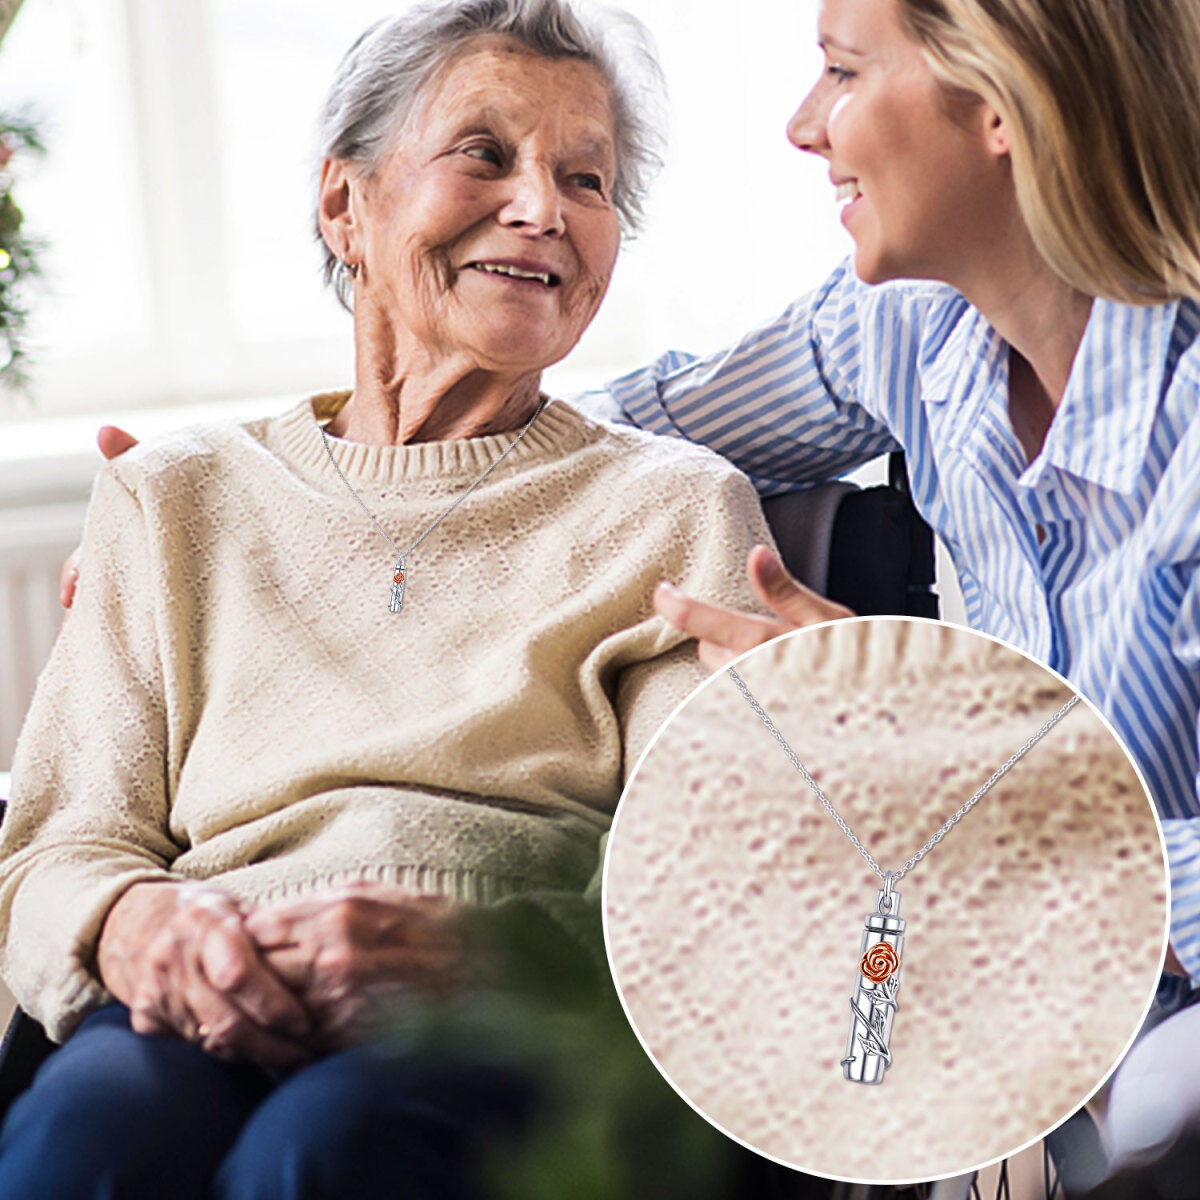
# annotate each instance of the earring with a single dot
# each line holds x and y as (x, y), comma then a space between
(351, 267)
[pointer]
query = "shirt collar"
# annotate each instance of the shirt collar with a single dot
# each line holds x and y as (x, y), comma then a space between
(960, 354)
(1102, 428)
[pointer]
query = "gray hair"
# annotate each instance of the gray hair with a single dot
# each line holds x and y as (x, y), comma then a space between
(381, 75)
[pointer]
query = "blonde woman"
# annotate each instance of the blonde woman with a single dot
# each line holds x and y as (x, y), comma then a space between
(1021, 179)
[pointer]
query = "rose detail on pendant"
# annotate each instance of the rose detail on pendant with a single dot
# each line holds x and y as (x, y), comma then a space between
(879, 962)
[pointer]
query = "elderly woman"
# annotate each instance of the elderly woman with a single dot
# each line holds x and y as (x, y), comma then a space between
(338, 682)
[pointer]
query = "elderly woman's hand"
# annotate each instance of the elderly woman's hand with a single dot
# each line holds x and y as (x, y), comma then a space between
(724, 634)
(178, 955)
(345, 949)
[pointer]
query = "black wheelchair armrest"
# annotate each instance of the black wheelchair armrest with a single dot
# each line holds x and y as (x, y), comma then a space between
(866, 548)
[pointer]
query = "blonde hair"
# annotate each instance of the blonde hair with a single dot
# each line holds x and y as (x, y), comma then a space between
(1101, 99)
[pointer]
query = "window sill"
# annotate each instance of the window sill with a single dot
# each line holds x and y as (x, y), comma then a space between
(54, 460)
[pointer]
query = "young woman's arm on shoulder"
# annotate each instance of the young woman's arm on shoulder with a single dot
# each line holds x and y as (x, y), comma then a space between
(793, 402)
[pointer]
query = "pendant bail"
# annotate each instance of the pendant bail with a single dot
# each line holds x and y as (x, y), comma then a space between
(887, 897)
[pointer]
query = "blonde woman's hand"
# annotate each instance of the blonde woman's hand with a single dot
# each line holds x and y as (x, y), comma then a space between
(723, 633)
(179, 956)
(112, 441)
(344, 949)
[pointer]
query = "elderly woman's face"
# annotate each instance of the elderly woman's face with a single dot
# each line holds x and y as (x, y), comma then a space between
(489, 231)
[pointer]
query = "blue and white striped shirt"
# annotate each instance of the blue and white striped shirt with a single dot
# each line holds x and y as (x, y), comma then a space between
(1110, 598)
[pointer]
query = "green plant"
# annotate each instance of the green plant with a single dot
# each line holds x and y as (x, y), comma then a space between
(20, 254)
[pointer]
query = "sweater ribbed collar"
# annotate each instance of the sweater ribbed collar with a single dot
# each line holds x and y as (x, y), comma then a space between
(558, 429)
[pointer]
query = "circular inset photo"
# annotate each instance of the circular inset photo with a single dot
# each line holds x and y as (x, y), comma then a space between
(886, 900)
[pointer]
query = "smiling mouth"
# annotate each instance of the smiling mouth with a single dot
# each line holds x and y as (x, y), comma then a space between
(849, 190)
(544, 278)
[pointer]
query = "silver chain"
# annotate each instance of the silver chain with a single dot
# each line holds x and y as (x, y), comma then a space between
(405, 553)
(896, 876)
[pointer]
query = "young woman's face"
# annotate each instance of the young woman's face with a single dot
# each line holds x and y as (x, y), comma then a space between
(921, 174)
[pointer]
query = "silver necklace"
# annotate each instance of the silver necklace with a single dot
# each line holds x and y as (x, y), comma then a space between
(400, 577)
(873, 1004)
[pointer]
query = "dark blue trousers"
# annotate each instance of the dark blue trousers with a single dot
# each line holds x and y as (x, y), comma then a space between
(117, 1115)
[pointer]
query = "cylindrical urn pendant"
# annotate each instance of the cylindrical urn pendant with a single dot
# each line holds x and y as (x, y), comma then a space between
(396, 600)
(873, 1005)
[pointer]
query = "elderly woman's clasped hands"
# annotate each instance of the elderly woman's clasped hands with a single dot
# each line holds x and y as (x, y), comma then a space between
(278, 984)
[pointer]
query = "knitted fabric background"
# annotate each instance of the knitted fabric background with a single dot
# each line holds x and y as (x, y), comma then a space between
(735, 906)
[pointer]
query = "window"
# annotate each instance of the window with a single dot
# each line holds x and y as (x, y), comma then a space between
(177, 195)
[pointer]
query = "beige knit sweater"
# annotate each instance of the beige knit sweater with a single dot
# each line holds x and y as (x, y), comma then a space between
(230, 699)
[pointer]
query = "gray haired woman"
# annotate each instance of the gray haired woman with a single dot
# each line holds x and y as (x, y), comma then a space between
(342, 688)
